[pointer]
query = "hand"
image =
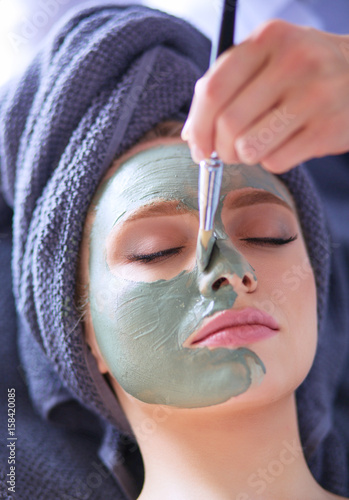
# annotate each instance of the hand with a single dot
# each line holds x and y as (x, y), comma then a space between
(279, 98)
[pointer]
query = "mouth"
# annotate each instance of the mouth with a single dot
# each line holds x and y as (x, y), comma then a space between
(234, 328)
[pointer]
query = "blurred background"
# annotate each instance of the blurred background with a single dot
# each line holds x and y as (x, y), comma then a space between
(25, 23)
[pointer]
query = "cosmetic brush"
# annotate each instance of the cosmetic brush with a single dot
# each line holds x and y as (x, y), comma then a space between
(211, 169)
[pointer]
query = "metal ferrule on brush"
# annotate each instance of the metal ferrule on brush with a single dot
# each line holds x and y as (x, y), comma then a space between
(210, 180)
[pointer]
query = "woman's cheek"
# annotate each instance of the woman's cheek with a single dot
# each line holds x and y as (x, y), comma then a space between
(288, 283)
(284, 277)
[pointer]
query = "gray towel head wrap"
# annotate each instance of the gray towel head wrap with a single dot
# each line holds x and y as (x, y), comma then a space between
(107, 77)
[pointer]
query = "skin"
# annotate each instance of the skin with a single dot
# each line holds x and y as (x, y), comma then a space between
(279, 98)
(160, 305)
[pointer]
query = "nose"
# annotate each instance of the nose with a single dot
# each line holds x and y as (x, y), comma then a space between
(227, 268)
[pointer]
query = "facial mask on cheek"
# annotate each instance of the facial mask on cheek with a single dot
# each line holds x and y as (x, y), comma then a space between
(140, 329)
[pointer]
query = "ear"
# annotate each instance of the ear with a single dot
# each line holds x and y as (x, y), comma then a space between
(92, 342)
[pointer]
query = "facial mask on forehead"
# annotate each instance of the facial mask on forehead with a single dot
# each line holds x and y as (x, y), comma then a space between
(141, 327)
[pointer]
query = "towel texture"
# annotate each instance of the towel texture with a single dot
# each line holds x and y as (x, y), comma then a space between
(108, 76)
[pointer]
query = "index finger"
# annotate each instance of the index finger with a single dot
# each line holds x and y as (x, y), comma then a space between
(220, 85)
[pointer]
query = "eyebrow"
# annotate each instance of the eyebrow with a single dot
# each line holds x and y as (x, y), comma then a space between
(258, 197)
(160, 208)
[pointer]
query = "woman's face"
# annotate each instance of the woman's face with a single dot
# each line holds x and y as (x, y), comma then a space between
(171, 334)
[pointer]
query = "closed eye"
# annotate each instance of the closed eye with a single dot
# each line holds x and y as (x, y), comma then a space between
(156, 256)
(169, 252)
(270, 241)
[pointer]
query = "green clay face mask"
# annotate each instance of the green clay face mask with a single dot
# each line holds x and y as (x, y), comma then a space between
(143, 307)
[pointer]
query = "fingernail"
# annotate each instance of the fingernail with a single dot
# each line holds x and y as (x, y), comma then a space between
(246, 152)
(185, 130)
(196, 153)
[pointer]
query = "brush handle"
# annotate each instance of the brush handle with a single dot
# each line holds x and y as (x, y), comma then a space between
(210, 181)
(227, 30)
(211, 169)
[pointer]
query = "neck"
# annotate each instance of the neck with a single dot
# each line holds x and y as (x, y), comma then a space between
(190, 454)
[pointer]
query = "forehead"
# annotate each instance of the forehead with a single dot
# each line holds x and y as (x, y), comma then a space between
(167, 172)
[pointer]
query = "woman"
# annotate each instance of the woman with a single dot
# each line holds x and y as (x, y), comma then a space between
(101, 85)
(185, 342)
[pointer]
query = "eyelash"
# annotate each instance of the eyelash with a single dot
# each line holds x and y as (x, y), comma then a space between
(270, 241)
(163, 254)
(157, 256)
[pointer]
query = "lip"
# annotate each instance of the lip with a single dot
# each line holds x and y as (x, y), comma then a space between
(234, 328)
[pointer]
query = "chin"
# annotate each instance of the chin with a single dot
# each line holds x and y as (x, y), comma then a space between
(279, 383)
(284, 374)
